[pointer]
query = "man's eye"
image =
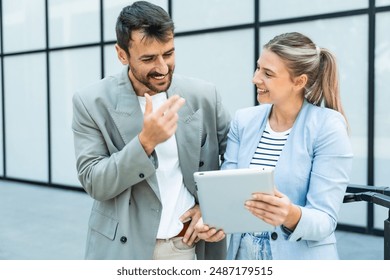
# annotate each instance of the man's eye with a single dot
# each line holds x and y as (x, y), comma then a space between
(147, 59)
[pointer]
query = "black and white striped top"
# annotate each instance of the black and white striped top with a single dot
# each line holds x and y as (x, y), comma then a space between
(269, 148)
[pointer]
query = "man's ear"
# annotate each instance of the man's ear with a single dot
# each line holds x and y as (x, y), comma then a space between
(300, 81)
(122, 55)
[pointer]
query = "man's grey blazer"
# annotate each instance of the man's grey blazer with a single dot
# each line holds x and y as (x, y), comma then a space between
(114, 169)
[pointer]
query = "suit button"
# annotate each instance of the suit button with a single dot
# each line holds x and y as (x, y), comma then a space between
(123, 239)
(274, 236)
(201, 163)
(141, 175)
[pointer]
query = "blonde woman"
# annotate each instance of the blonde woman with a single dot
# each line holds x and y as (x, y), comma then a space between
(306, 144)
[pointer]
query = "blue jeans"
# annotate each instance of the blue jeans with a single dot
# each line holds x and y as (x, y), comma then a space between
(254, 246)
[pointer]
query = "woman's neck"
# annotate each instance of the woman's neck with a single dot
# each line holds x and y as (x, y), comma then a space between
(283, 117)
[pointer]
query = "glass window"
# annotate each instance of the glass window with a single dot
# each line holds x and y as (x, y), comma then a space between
(351, 52)
(25, 90)
(202, 14)
(382, 99)
(380, 215)
(112, 65)
(353, 213)
(225, 59)
(380, 3)
(73, 22)
(282, 9)
(112, 10)
(69, 71)
(23, 25)
(1, 128)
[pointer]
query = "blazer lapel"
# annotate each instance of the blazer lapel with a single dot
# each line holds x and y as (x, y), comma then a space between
(126, 111)
(188, 138)
(128, 117)
(288, 151)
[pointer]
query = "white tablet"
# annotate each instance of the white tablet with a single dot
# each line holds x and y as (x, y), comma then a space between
(222, 195)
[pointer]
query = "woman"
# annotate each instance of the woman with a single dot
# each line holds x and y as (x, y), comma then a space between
(307, 145)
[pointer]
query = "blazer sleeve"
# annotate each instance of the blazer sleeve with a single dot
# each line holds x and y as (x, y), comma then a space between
(329, 178)
(223, 124)
(233, 146)
(104, 174)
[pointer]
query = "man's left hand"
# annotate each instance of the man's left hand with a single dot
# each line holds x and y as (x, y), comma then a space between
(193, 214)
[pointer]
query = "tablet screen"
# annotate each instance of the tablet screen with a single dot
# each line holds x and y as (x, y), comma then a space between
(222, 195)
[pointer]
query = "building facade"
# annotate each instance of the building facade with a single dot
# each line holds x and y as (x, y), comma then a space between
(51, 48)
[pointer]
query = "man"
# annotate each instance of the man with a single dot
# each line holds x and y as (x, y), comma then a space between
(139, 137)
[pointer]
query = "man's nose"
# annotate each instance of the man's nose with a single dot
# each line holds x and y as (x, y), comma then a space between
(161, 66)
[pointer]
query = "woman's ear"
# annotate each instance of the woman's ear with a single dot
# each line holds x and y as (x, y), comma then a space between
(122, 55)
(300, 81)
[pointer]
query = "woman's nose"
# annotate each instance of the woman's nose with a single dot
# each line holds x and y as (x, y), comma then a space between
(255, 79)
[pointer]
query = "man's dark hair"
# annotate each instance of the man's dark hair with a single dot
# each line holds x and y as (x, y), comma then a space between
(152, 20)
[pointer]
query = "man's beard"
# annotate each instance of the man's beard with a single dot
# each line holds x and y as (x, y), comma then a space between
(151, 85)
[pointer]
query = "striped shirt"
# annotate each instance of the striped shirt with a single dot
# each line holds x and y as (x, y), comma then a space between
(269, 148)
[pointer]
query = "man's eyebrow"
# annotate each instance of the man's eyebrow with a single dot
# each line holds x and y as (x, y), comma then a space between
(171, 50)
(153, 55)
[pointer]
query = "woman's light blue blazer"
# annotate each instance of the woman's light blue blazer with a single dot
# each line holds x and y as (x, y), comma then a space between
(313, 171)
